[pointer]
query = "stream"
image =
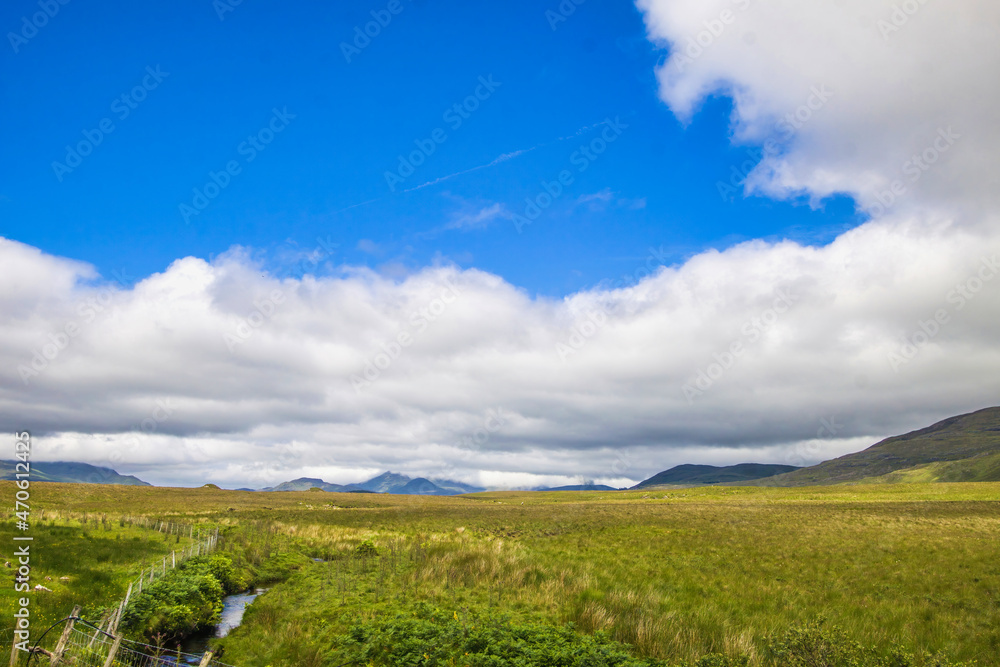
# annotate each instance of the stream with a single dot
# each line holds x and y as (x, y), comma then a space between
(233, 608)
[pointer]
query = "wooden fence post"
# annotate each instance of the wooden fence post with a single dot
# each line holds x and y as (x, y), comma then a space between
(109, 619)
(205, 659)
(114, 649)
(61, 646)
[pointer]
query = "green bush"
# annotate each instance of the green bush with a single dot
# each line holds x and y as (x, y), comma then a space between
(278, 566)
(366, 549)
(185, 601)
(433, 637)
(818, 646)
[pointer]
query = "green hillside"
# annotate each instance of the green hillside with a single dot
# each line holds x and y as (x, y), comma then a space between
(703, 474)
(983, 468)
(965, 448)
(70, 472)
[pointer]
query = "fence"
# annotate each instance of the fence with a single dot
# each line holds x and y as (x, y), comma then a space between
(102, 646)
(93, 647)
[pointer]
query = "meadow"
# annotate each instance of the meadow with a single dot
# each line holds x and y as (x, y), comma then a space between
(663, 575)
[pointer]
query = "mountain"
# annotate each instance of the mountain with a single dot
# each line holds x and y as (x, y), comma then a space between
(581, 487)
(703, 475)
(306, 483)
(455, 488)
(70, 472)
(387, 482)
(419, 487)
(384, 483)
(962, 448)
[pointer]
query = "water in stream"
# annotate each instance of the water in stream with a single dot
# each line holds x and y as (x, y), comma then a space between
(233, 608)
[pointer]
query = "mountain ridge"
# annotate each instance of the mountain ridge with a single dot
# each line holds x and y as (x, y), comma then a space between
(690, 474)
(70, 472)
(960, 448)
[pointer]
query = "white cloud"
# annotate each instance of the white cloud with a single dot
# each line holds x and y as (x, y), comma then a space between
(603, 198)
(889, 91)
(152, 382)
(478, 219)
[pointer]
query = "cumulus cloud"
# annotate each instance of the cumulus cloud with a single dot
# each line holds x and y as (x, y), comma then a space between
(220, 370)
(771, 352)
(855, 94)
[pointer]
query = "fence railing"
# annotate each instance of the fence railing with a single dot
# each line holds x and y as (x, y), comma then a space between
(101, 645)
(83, 644)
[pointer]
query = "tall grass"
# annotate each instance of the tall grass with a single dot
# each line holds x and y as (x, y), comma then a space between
(677, 575)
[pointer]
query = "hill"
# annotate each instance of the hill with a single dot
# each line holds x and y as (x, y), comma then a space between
(700, 475)
(70, 472)
(961, 448)
(387, 482)
(306, 483)
(581, 487)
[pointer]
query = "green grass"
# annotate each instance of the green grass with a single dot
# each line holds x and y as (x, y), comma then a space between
(84, 562)
(674, 575)
(983, 468)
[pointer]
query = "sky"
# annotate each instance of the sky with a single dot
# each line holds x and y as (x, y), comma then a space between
(514, 245)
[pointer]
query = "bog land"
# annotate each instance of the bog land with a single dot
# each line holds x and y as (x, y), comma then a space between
(875, 574)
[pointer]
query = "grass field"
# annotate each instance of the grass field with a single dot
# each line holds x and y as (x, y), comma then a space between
(673, 574)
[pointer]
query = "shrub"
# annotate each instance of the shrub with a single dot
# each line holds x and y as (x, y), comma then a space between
(433, 637)
(815, 645)
(186, 600)
(366, 549)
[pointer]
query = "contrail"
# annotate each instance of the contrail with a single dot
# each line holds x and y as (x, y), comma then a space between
(503, 158)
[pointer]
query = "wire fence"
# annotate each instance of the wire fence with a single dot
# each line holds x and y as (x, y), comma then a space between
(91, 647)
(84, 644)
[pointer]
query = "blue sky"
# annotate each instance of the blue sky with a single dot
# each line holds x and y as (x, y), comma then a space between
(781, 314)
(323, 175)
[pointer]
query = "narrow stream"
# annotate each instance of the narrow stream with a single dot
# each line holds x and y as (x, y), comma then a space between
(233, 608)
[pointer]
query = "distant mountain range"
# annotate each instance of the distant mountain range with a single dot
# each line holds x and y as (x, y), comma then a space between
(387, 482)
(70, 472)
(580, 487)
(965, 448)
(702, 475)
